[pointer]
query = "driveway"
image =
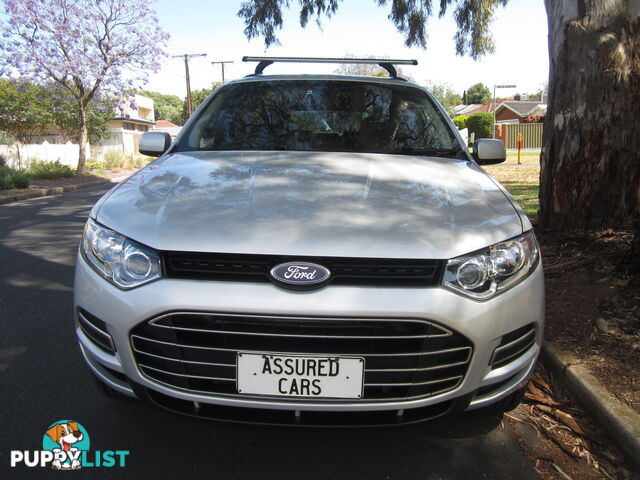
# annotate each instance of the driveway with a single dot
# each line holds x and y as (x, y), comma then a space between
(43, 379)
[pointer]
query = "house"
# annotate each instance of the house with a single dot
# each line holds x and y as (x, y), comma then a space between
(473, 108)
(514, 111)
(135, 115)
(166, 126)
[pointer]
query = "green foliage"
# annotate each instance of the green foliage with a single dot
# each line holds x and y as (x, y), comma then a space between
(445, 94)
(263, 18)
(10, 178)
(167, 107)
(461, 121)
(27, 109)
(480, 124)
(64, 110)
(24, 109)
(94, 165)
(6, 138)
(48, 170)
(478, 93)
(197, 97)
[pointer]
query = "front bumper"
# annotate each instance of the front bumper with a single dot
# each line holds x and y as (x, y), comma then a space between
(483, 323)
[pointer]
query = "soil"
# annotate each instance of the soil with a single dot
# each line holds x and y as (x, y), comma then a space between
(593, 306)
(561, 440)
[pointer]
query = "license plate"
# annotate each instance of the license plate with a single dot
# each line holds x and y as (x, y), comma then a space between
(300, 375)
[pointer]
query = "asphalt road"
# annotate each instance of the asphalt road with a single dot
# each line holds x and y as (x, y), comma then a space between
(43, 379)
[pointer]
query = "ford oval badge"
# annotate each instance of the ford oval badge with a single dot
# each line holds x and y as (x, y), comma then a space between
(300, 273)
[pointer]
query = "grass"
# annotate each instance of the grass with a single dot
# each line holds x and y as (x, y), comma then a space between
(522, 181)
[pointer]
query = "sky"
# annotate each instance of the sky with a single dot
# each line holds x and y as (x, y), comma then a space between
(360, 28)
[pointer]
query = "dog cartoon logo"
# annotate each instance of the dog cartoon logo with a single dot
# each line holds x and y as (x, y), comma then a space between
(66, 439)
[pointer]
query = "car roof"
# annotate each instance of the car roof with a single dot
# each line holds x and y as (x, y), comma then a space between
(328, 77)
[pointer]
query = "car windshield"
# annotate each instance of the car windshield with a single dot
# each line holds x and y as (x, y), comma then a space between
(322, 115)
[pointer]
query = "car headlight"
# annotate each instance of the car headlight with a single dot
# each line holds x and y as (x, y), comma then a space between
(489, 271)
(120, 260)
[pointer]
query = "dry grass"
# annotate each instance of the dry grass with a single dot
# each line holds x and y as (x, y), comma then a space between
(522, 181)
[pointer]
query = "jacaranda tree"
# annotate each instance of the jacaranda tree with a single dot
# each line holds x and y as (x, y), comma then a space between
(88, 48)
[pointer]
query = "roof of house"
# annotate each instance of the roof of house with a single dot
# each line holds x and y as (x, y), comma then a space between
(165, 123)
(476, 108)
(522, 108)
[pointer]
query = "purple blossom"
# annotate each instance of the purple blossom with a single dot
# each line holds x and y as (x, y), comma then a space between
(87, 47)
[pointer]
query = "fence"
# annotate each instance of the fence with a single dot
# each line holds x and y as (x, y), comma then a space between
(531, 132)
(65, 153)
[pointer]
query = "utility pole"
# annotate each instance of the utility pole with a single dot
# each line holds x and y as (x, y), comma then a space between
(186, 57)
(222, 65)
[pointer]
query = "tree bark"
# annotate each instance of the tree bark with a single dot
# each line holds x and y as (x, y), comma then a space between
(590, 164)
(82, 140)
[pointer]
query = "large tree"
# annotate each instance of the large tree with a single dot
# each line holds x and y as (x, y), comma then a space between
(478, 93)
(23, 111)
(166, 107)
(89, 48)
(28, 111)
(590, 176)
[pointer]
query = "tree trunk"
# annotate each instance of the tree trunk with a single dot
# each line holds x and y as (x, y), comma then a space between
(19, 155)
(82, 140)
(590, 165)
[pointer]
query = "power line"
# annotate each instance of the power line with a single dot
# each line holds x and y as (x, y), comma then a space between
(186, 57)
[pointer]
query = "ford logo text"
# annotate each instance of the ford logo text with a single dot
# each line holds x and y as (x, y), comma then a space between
(300, 273)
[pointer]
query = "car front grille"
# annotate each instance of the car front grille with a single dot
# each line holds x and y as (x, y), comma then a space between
(404, 358)
(344, 271)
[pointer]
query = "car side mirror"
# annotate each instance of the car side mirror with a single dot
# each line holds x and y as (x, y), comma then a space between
(489, 151)
(154, 144)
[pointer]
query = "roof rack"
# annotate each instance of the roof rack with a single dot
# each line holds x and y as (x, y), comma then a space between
(386, 63)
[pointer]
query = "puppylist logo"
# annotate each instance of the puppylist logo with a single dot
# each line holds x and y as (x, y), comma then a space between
(66, 446)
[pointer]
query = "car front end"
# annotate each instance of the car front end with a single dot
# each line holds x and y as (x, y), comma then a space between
(310, 287)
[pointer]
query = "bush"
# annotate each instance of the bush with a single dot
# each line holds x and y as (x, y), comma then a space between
(92, 165)
(6, 139)
(461, 122)
(116, 159)
(3, 161)
(480, 124)
(10, 178)
(47, 170)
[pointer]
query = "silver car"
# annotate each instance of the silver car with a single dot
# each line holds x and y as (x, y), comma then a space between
(316, 250)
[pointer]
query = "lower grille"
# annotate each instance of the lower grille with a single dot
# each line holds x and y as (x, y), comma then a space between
(513, 345)
(404, 358)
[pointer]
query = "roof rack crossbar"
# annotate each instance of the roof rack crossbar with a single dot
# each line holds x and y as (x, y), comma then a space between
(386, 63)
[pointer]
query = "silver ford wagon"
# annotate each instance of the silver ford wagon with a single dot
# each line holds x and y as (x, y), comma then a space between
(314, 250)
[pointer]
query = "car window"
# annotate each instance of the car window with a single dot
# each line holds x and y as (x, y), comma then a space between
(321, 115)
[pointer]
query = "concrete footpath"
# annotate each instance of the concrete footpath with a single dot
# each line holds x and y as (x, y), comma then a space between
(620, 421)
